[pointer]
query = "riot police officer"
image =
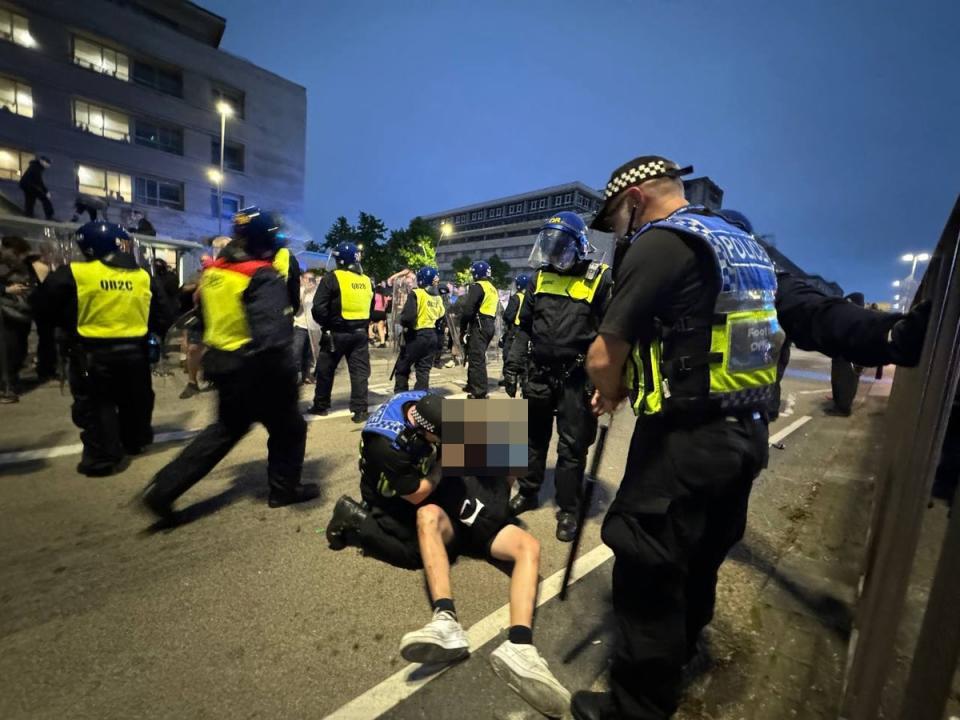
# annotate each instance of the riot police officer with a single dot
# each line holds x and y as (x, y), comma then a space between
(341, 307)
(477, 326)
(692, 333)
(399, 469)
(248, 330)
(511, 316)
(557, 323)
(421, 318)
(107, 304)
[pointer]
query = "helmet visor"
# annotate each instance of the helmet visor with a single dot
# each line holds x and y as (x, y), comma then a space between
(555, 248)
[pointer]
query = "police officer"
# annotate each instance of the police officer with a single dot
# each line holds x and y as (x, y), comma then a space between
(477, 326)
(107, 305)
(511, 316)
(692, 334)
(248, 330)
(557, 323)
(341, 307)
(399, 469)
(288, 269)
(421, 318)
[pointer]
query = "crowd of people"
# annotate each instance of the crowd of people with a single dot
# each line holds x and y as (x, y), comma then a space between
(688, 326)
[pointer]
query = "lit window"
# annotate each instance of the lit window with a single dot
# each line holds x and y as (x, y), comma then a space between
(15, 28)
(104, 183)
(16, 97)
(159, 193)
(98, 58)
(13, 163)
(231, 204)
(101, 121)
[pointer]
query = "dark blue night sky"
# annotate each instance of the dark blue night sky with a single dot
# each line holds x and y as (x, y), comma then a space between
(833, 125)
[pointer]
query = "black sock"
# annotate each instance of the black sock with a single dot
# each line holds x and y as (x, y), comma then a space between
(520, 635)
(445, 604)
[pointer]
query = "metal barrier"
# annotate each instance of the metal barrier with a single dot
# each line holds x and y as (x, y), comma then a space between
(917, 416)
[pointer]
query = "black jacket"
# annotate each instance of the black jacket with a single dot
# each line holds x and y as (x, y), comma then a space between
(327, 307)
(32, 179)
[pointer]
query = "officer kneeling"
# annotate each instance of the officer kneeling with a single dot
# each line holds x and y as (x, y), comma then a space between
(557, 322)
(248, 331)
(106, 305)
(421, 318)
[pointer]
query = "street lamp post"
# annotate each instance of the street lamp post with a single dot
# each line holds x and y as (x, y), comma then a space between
(224, 109)
(217, 177)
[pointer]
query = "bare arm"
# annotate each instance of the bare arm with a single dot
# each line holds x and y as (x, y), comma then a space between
(605, 362)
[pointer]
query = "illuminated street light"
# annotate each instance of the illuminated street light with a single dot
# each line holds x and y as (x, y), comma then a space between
(224, 108)
(215, 176)
(896, 283)
(896, 297)
(445, 229)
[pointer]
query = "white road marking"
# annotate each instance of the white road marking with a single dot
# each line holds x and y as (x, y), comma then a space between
(405, 682)
(23, 456)
(813, 392)
(795, 425)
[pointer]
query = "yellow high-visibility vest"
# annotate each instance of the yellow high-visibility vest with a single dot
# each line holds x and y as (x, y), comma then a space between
(356, 294)
(429, 309)
(575, 287)
(488, 306)
(225, 325)
(281, 262)
(111, 302)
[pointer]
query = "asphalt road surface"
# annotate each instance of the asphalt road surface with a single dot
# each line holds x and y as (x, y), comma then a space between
(244, 612)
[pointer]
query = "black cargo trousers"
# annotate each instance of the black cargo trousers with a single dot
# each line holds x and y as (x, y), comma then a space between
(355, 347)
(563, 390)
(480, 333)
(681, 507)
(418, 352)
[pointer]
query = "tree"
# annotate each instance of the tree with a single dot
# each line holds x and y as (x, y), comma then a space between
(341, 231)
(312, 246)
(461, 270)
(501, 275)
(414, 246)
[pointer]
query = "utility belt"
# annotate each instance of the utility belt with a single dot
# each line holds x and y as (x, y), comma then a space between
(557, 369)
(688, 416)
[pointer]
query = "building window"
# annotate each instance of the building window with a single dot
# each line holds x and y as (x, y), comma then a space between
(104, 183)
(13, 163)
(461, 219)
(98, 58)
(161, 137)
(16, 97)
(476, 216)
(101, 121)
(159, 193)
(166, 81)
(14, 28)
(568, 198)
(557, 200)
(232, 154)
(231, 96)
(231, 204)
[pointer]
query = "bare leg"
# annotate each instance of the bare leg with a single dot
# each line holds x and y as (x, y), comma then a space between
(434, 531)
(194, 356)
(523, 549)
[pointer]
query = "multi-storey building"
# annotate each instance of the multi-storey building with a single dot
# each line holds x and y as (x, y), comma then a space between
(507, 227)
(126, 98)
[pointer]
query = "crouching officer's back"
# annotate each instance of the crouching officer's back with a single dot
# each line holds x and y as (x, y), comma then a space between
(248, 331)
(107, 305)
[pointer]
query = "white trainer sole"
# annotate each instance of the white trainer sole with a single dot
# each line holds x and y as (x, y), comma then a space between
(545, 697)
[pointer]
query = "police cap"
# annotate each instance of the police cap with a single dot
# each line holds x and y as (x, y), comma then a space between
(638, 170)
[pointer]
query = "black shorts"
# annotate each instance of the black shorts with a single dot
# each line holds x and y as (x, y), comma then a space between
(478, 508)
(378, 315)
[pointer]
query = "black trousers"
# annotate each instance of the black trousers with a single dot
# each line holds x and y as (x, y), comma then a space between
(16, 335)
(47, 352)
(549, 393)
(418, 353)
(481, 333)
(356, 348)
(112, 402)
(29, 202)
(302, 352)
(263, 390)
(681, 507)
(389, 533)
(844, 381)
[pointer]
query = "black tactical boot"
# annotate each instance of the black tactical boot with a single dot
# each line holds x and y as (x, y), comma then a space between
(520, 503)
(566, 526)
(588, 705)
(343, 526)
(280, 497)
(159, 507)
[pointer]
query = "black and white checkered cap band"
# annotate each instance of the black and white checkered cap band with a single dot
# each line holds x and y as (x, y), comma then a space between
(635, 175)
(422, 422)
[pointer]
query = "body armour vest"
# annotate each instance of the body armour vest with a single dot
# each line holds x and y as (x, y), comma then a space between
(222, 285)
(520, 296)
(488, 305)
(741, 341)
(356, 294)
(388, 419)
(429, 309)
(112, 303)
(281, 263)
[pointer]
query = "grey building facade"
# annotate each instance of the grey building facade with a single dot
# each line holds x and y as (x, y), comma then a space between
(122, 96)
(507, 227)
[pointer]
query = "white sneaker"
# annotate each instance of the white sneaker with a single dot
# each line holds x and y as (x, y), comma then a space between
(442, 640)
(522, 668)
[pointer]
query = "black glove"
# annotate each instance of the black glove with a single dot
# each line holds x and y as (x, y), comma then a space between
(907, 334)
(510, 383)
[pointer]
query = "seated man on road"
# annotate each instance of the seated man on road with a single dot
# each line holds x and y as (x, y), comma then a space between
(414, 519)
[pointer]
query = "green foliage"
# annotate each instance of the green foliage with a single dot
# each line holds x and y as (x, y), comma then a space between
(501, 275)
(411, 247)
(312, 246)
(341, 231)
(461, 270)
(414, 246)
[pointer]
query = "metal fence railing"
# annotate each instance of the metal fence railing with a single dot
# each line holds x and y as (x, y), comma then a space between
(917, 416)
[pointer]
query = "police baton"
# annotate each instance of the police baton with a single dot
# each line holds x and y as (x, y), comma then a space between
(402, 346)
(586, 498)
